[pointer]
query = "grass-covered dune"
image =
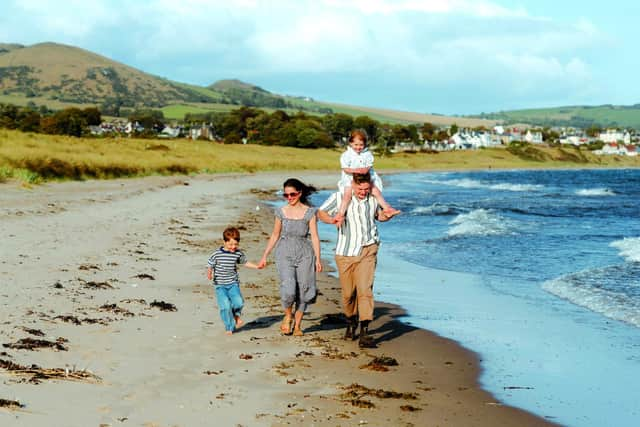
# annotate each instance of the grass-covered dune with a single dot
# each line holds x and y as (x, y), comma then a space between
(34, 158)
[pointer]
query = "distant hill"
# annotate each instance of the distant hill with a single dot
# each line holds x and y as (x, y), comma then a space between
(59, 76)
(603, 116)
(56, 72)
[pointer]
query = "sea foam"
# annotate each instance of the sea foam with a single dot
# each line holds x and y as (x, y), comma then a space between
(505, 186)
(600, 290)
(629, 248)
(595, 192)
(479, 222)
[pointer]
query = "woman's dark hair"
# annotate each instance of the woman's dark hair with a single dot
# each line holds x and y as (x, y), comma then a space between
(305, 190)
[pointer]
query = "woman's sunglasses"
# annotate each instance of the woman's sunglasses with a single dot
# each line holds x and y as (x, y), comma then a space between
(287, 195)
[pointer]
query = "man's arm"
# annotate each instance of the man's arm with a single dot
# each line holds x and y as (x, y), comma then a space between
(328, 209)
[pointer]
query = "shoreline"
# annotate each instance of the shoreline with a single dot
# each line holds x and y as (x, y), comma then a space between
(159, 368)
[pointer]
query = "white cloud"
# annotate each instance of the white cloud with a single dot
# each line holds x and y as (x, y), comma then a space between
(447, 43)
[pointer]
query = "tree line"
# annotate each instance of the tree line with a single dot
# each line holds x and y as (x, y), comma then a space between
(70, 121)
(243, 125)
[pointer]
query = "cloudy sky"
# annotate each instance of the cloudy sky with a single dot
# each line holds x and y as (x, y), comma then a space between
(430, 56)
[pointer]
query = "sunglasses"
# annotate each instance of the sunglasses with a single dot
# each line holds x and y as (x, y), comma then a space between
(287, 195)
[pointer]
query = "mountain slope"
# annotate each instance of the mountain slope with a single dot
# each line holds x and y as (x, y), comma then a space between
(60, 76)
(70, 74)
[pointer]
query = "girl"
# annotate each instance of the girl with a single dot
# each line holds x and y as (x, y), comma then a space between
(358, 159)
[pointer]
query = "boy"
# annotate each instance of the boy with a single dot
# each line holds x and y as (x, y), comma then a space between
(223, 270)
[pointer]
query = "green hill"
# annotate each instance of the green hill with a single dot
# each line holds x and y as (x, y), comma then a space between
(59, 76)
(603, 116)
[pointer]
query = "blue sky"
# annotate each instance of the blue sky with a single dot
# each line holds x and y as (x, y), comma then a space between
(429, 56)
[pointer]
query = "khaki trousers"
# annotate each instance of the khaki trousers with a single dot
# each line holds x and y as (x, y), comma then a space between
(356, 280)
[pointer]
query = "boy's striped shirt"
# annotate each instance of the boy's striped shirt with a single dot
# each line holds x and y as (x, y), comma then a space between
(225, 266)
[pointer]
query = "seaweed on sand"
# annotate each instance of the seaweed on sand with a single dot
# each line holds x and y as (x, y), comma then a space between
(380, 363)
(35, 344)
(163, 306)
(37, 374)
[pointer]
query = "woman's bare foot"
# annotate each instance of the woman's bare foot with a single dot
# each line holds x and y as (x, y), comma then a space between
(285, 327)
(228, 332)
(297, 332)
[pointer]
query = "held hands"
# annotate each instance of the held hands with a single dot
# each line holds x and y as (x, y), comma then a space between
(262, 263)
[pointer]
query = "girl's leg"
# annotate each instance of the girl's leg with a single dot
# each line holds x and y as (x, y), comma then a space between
(386, 207)
(344, 205)
(224, 305)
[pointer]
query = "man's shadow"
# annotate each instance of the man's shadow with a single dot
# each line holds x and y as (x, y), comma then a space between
(386, 323)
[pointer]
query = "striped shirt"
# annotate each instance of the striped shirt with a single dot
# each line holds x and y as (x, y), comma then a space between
(225, 266)
(359, 227)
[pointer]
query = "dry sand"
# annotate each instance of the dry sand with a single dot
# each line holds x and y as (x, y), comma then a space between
(82, 264)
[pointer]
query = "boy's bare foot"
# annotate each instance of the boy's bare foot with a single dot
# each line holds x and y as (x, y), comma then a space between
(297, 332)
(239, 321)
(389, 211)
(228, 332)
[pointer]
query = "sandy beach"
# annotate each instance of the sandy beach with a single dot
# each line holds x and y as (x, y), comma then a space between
(107, 319)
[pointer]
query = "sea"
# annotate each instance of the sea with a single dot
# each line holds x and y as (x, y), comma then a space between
(536, 271)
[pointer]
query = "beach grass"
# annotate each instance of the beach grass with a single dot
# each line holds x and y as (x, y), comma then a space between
(34, 158)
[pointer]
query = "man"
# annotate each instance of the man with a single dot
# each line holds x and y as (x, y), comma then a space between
(356, 254)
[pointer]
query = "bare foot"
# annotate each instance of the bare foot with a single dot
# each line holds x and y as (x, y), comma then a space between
(239, 321)
(390, 212)
(285, 327)
(297, 332)
(228, 332)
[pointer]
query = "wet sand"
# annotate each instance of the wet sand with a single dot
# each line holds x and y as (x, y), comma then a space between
(103, 287)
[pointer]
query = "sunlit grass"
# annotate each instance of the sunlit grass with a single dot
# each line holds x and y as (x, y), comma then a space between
(33, 158)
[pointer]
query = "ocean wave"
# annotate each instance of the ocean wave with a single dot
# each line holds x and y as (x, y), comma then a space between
(629, 248)
(595, 192)
(436, 210)
(612, 291)
(472, 183)
(479, 222)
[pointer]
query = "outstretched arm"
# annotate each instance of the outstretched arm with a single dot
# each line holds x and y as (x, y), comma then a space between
(250, 264)
(275, 235)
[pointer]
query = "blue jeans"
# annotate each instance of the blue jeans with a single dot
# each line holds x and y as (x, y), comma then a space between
(230, 303)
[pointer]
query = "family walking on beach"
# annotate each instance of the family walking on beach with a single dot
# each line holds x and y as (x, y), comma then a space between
(354, 209)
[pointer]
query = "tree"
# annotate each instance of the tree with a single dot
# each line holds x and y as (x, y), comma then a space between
(428, 131)
(148, 119)
(338, 125)
(593, 131)
(369, 125)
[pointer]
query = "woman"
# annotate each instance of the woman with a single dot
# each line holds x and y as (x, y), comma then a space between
(297, 256)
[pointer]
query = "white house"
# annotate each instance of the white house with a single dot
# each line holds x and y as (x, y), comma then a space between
(534, 137)
(614, 135)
